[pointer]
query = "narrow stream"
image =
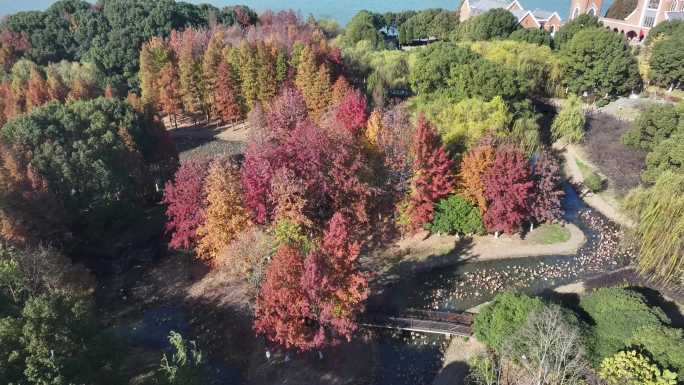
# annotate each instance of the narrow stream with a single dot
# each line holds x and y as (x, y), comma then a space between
(411, 358)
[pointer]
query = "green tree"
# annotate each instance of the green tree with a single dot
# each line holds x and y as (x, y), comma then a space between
(663, 30)
(364, 26)
(667, 56)
(617, 314)
(538, 68)
(668, 155)
(533, 36)
(62, 343)
(664, 344)
(455, 215)
(600, 62)
(433, 65)
(485, 79)
(503, 317)
(497, 23)
(97, 156)
(465, 122)
(657, 123)
(570, 29)
(659, 213)
(570, 122)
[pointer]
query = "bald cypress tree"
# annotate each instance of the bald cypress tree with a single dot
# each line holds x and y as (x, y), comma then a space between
(225, 102)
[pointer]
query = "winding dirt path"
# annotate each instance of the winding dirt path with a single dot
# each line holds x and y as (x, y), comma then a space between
(571, 154)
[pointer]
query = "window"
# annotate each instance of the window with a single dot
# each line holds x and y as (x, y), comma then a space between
(648, 21)
(576, 13)
(673, 6)
(681, 6)
(591, 12)
(653, 4)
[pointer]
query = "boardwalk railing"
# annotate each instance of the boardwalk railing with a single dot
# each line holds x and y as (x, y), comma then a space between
(452, 324)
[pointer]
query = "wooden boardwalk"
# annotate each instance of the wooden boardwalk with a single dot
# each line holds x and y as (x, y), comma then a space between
(451, 324)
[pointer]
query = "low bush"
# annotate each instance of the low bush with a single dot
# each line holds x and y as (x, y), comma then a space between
(455, 215)
(593, 182)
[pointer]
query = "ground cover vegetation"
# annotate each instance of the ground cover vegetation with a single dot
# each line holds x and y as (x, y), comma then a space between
(615, 331)
(352, 142)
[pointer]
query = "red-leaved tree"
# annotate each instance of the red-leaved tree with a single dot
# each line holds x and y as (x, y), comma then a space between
(327, 164)
(507, 187)
(351, 111)
(225, 100)
(432, 179)
(283, 313)
(545, 202)
(185, 200)
(312, 302)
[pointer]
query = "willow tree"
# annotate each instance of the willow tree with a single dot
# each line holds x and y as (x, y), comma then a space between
(570, 122)
(659, 210)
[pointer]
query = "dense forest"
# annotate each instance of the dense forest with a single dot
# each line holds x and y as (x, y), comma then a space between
(357, 138)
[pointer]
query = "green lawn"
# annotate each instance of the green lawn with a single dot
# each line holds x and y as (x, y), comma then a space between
(548, 234)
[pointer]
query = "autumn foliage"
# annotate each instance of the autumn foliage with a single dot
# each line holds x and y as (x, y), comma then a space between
(312, 301)
(319, 170)
(507, 187)
(433, 177)
(351, 112)
(473, 166)
(225, 215)
(225, 72)
(545, 202)
(184, 197)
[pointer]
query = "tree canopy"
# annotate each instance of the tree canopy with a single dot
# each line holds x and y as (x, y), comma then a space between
(599, 61)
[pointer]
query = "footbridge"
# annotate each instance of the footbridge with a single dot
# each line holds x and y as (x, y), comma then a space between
(422, 321)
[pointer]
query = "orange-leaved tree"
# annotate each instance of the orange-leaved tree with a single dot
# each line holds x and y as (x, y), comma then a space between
(225, 214)
(473, 166)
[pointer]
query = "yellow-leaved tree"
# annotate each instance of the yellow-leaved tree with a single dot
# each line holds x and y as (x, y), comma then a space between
(226, 215)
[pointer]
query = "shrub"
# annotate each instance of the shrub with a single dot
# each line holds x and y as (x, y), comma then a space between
(617, 314)
(631, 368)
(503, 317)
(455, 215)
(185, 365)
(593, 182)
(665, 345)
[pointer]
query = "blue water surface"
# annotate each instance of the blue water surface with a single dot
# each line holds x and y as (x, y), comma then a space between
(340, 10)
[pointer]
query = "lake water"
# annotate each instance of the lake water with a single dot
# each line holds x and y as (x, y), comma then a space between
(344, 10)
(341, 10)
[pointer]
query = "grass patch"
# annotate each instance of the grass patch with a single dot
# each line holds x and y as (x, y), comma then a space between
(549, 234)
